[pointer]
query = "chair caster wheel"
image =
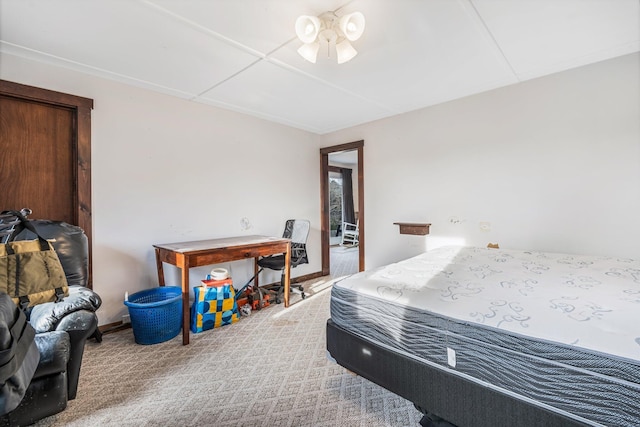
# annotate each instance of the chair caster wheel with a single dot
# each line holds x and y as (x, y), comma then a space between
(278, 301)
(304, 295)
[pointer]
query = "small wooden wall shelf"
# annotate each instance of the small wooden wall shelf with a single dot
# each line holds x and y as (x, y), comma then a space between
(419, 229)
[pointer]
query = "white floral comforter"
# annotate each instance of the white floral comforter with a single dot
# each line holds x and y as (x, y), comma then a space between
(587, 301)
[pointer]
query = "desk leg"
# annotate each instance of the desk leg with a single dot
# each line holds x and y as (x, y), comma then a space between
(183, 263)
(256, 268)
(287, 274)
(160, 268)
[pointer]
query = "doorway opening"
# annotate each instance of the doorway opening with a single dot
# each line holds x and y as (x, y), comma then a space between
(342, 215)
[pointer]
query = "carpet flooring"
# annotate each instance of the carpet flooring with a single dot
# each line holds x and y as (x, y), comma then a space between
(268, 369)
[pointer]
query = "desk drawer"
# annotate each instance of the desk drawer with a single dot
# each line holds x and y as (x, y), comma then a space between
(235, 253)
(251, 253)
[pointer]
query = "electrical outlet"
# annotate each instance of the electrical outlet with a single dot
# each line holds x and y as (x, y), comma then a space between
(126, 319)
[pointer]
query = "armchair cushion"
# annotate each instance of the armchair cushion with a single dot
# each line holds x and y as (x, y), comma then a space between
(46, 317)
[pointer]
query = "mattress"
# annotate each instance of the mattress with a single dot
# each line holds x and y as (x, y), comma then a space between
(559, 331)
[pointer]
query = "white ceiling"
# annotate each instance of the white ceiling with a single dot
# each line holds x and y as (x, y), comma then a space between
(241, 54)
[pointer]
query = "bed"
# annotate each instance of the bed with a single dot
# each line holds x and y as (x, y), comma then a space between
(494, 337)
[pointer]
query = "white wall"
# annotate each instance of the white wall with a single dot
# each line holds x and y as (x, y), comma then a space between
(551, 164)
(167, 170)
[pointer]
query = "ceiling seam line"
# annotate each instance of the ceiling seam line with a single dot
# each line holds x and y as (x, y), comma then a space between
(486, 27)
(266, 57)
(343, 6)
(205, 30)
(226, 79)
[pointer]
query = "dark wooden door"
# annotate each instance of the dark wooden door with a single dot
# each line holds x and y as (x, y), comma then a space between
(45, 155)
(37, 159)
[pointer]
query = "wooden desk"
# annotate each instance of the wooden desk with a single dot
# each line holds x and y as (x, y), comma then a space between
(185, 255)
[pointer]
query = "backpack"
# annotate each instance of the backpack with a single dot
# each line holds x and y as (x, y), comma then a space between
(30, 270)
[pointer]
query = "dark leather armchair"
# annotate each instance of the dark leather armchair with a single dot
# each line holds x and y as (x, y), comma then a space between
(74, 318)
(76, 313)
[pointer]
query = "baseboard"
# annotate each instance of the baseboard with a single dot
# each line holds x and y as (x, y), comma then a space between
(306, 277)
(299, 279)
(113, 327)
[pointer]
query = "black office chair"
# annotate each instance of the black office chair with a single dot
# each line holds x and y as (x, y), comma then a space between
(297, 230)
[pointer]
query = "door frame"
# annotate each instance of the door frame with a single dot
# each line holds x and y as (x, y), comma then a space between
(81, 109)
(324, 201)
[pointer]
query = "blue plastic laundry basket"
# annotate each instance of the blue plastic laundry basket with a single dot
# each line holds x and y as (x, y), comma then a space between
(156, 314)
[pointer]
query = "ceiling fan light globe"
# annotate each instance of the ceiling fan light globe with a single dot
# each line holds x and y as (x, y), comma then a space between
(307, 28)
(345, 52)
(352, 25)
(309, 51)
